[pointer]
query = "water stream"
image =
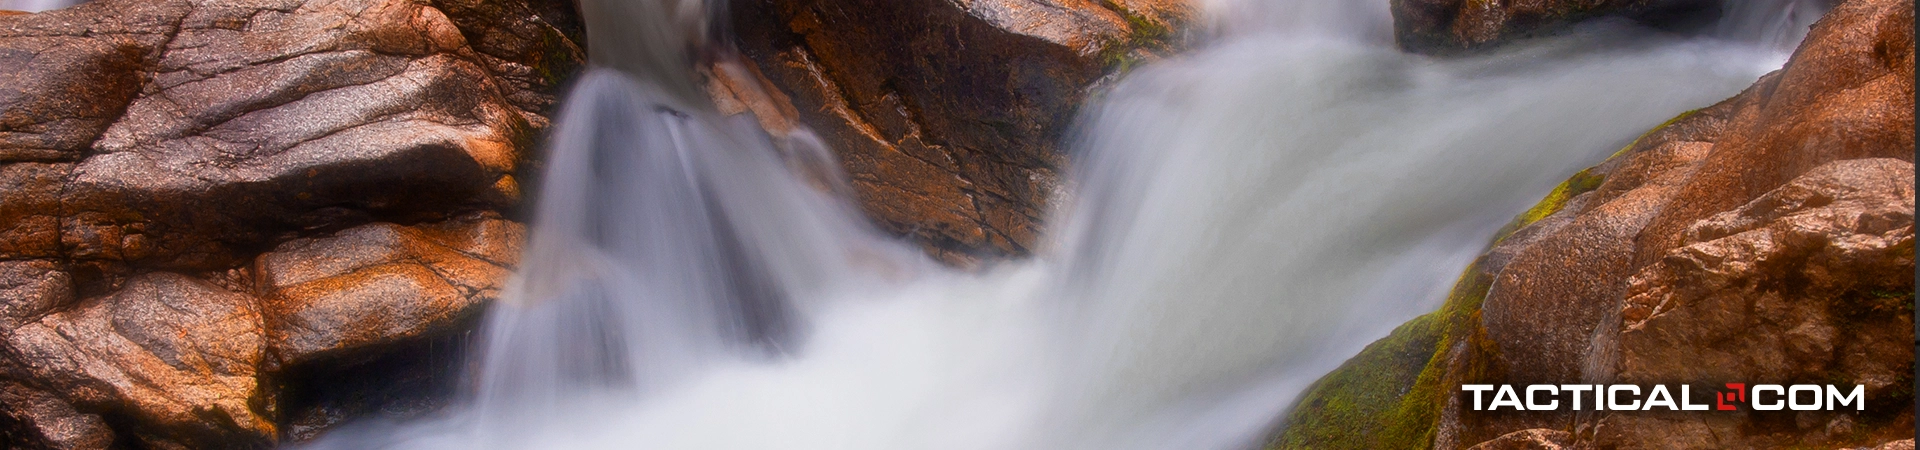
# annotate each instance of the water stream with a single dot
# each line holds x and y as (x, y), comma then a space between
(1242, 218)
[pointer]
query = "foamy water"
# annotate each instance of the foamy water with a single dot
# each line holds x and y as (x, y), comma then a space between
(1243, 218)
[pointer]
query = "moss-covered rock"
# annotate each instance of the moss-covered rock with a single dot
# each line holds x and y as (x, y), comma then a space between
(1697, 255)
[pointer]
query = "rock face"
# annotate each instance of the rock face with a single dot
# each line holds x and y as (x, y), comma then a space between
(1445, 26)
(1767, 239)
(947, 115)
(203, 203)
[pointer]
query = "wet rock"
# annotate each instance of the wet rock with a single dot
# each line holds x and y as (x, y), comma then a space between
(1765, 239)
(947, 116)
(380, 283)
(200, 205)
(283, 116)
(174, 354)
(532, 46)
(1445, 26)
(1534, 439)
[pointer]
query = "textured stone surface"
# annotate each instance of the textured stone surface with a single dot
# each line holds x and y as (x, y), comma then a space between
(174, 354)
(207, 205)
(378, 282)
(1443, 26)
(1764, 239)
(1904, 444)
(1534, 439)
(947, 116)
(1763, 293)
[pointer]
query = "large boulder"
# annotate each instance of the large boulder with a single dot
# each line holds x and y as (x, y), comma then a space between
(218, 219)
(1765, 239)
(1449, 26)
(948, 117)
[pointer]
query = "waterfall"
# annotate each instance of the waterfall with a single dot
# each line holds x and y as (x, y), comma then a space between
(1245, 217)
(37, 5)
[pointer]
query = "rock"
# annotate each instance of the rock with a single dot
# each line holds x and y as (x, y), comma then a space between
(532, 46)
(1904, 444)
(1761, 294)
(947, 116)
(1767, 238)
(360, 109)
(378, 283)
(1534, 439)
(173, 354)
(46, 419)
(1445, 26)
(30, 290)
(207, 206)
(30, 209)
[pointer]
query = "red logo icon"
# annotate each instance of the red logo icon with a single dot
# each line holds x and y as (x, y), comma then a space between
(1739, 395)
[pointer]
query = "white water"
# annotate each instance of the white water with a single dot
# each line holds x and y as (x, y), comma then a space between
(37, 5)
(1245, 217)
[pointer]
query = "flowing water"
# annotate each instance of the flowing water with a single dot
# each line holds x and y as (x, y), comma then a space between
(37, 5)
(1241, 219)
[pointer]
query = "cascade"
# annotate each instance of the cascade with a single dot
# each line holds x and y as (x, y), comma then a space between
(1243, 218)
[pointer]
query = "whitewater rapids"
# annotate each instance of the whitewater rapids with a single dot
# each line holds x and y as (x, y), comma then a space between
(1241, 219)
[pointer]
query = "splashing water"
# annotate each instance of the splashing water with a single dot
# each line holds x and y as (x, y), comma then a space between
(1245, 217)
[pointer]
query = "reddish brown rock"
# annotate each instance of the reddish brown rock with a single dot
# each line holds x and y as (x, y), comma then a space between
(31, 289)
(176, 355)
(1534, 439)
(1566, 305)
(532, 46)
(30, 210)
(1904, 444)
(1443, 26)
(1765, 239)
(1762, 293)
(199, 206)
(947, 116)
(271, 117)
(378, 283)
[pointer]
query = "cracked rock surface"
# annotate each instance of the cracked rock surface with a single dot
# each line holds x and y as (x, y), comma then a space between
(203, 203)
(947, 116)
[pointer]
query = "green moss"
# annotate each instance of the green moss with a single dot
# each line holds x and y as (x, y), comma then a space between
(1144, 34)
(1643, 136)
(1390, 395)
(1362, 391)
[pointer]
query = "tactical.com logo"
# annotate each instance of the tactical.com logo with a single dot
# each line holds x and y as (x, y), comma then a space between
(1627, 397)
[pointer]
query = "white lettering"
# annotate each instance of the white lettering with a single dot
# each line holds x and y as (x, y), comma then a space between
(1536, 406)
(1763, 406)
(1575, 389)
(1858, 397)
(1476, 389)
(1511, 399)
(1793, 397)
(1613, 397)
(1660, 397)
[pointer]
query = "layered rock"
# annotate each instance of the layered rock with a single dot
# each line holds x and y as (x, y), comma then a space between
(1765, 239)
(204, 203)
(947, 116)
